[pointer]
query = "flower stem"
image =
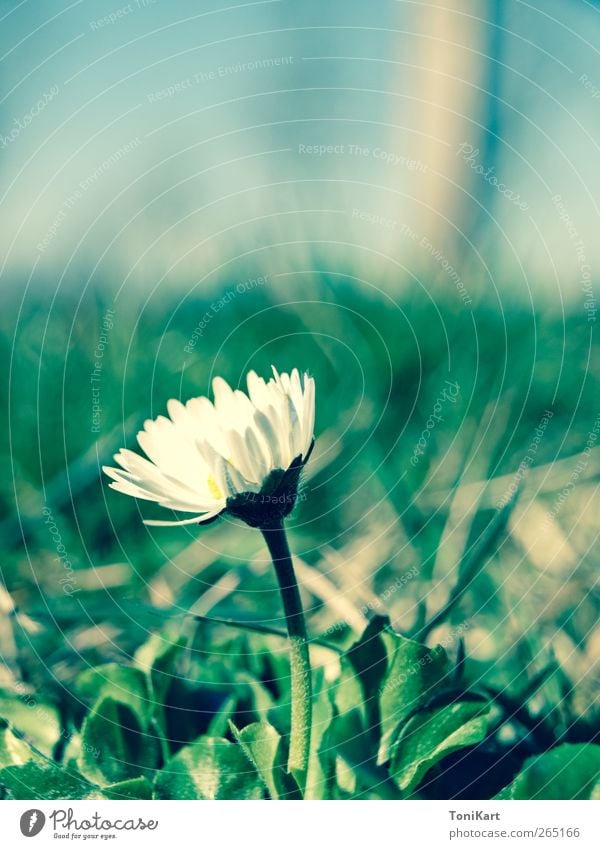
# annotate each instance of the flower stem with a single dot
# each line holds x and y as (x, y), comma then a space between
(301, 686)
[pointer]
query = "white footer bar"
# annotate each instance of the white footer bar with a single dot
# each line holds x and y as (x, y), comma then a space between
(313, 825)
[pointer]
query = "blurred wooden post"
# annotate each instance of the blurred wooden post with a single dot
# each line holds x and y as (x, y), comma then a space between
(452, 109)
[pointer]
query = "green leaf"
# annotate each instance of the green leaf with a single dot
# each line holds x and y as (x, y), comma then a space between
(386, 677)
(570, 771)
(429, 736)
(363, 669)
(157, 659)
(133, 788)
(321, 763)
(357, 772)
(38, 720)
(46, 781)
(114, 745)
(13, 750)
(210, 768)
(264, 747)
(121, 683)
(349, 742)
(219, 724)
(414, 673)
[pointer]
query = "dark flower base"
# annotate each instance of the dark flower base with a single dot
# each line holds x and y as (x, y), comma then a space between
(274, 502)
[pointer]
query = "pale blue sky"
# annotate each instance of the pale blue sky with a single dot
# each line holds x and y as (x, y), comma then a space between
(188, 125)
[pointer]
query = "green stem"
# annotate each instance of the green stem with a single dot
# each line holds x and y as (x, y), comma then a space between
(300, 672)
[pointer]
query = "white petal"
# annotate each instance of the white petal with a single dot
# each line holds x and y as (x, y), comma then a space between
(257, 390)
(264, 423)
(123, 484)
(308, 414)
(159, 523)
(223, 393)
(169, 448)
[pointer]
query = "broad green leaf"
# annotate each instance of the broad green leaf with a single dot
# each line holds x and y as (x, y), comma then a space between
(122, 683)
(46, 781)
(114, 745)
(321, 765)
(133, 788)
(570, 771)
(210, 768)
(13, 750)
(38, 720)
(386, 677)
(264, 746)
(414, 673)
(429, 736)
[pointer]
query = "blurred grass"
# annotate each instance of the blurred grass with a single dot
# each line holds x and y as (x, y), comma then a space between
(373, 533)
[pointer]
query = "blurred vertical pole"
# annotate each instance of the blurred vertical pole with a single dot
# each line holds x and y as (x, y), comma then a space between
(449, 101)
(457, 74)
(491, 132)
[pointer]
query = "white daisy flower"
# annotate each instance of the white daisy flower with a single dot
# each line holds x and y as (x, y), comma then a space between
(243, 454)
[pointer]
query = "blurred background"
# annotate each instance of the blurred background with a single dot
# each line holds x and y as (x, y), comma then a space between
(400, 197)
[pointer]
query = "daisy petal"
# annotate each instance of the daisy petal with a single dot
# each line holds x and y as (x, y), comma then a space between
(159, 523)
